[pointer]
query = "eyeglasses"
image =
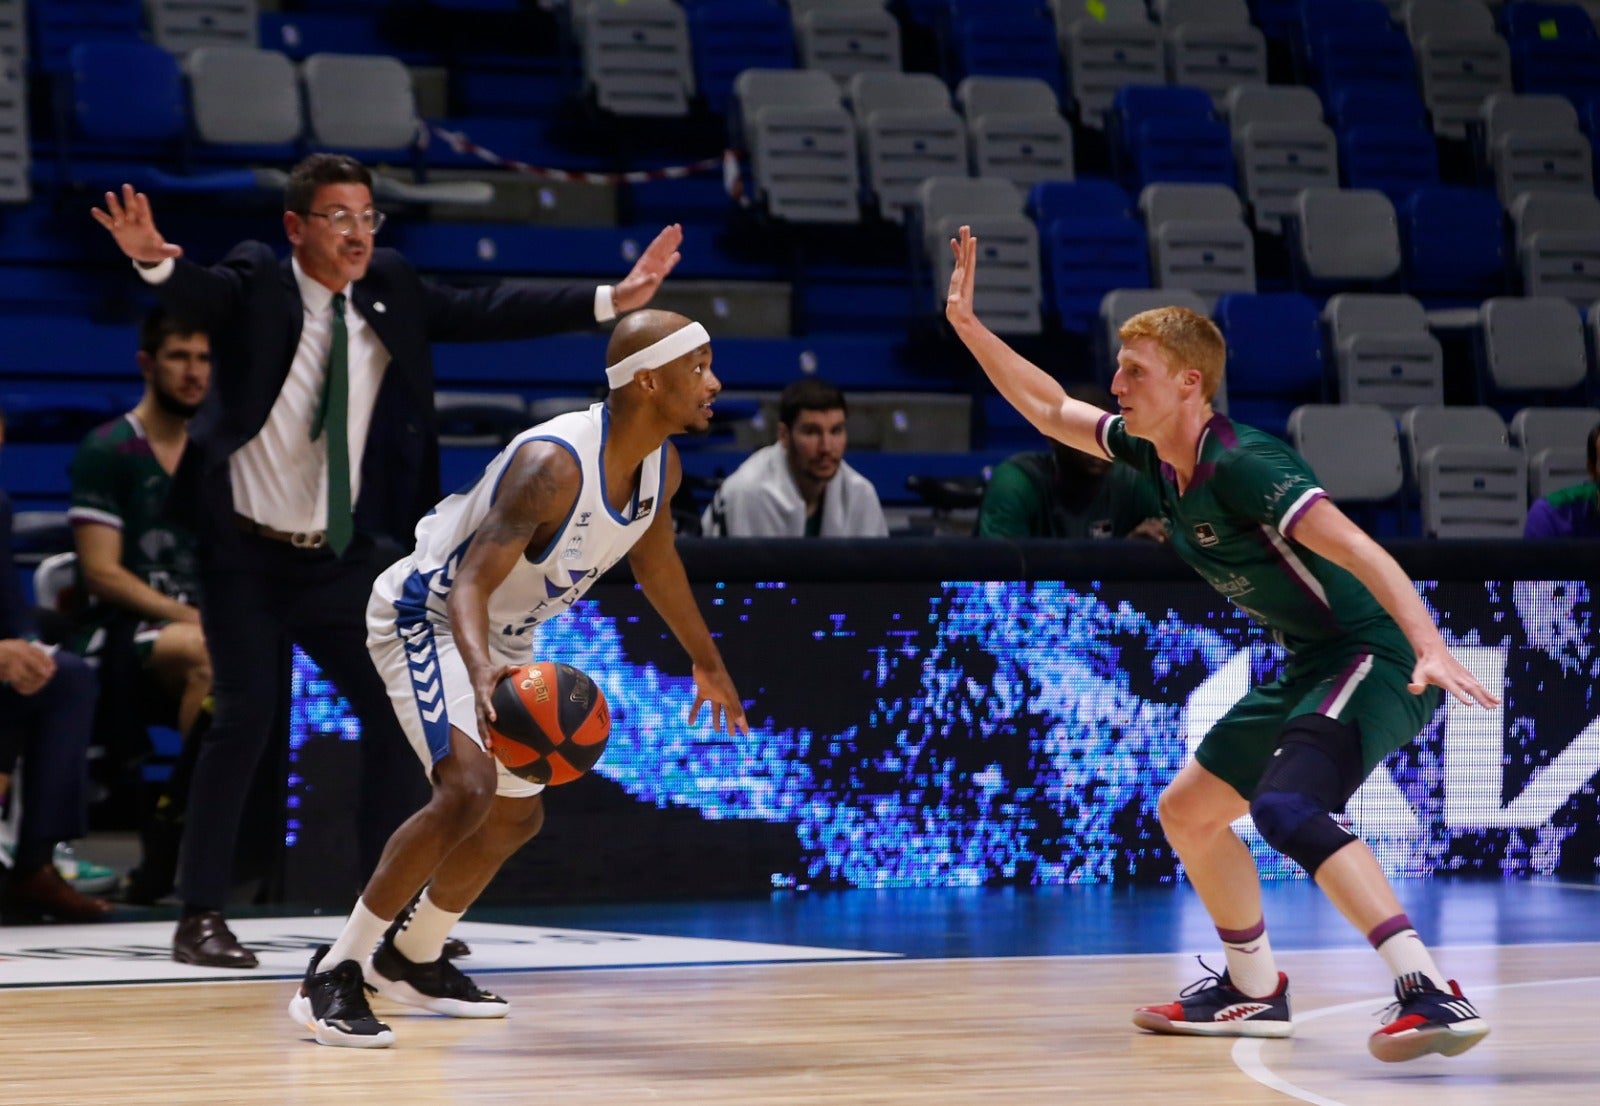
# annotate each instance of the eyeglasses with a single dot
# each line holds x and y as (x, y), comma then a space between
(344, 222)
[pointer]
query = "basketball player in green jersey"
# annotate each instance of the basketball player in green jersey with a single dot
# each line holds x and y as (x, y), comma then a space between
(1366, 663)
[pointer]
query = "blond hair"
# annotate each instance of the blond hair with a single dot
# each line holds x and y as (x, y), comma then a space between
(1189, 339)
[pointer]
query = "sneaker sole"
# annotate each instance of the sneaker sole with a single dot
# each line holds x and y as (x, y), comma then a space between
(1446, 1040)
(300, 1011)
(402, 992)
(1160, 1023)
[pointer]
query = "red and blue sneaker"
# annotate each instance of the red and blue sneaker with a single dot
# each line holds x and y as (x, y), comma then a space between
(1424, 1019)
(1214, 1007)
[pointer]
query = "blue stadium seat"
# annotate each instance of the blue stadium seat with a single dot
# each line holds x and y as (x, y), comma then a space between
(59, 25)
(1086, 256)
(127, 99)
(1560, 67)
(1165, 128)
(1348, 55)
(989, 41)
(1454, 243)
(1356, 103)
(1320, 18)
(1527, 19)
(1395, 160)
(730, 36)
(1275, 358)
(1050, 200)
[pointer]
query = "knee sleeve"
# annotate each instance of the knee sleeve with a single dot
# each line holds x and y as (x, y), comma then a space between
(1315, 770)
(1298, 827)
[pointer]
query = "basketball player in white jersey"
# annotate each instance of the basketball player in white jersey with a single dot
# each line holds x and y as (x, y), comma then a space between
(562, 503)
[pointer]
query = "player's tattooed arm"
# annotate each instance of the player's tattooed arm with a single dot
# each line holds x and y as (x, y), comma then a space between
(536, 492)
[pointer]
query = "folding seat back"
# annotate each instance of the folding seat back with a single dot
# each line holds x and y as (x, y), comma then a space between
(980, 95)
(1454, 242)
(1383, 352)
(1344, 236)
(1263, 103)
(1473, 492)
(903, 147)
(1353, 448)
(846, 40)
(1087, 256)
(1532, 345)
(1550, 160)
(244, 97)
(636, 58)
(1279, 160)
(1205, 13)
(1555, 442)
(1117, 47)
(126, 95)
(1086, 198)
(1394, 160)
(1457, 71)
(1424, 428)
(1216, 58)
(1275, 358)
(1022, 147)
(878, 89)
(359, 102)
(179, 26)
(1018, 42)
(804, 162)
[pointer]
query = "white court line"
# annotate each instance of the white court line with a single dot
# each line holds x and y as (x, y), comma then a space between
(1247, 1050)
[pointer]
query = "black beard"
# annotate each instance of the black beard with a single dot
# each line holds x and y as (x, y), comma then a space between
(174, 406)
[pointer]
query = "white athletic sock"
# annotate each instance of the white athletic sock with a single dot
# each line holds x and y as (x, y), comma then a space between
(1251, 968)
(1404, 951)
(422, 939)
(361, 932)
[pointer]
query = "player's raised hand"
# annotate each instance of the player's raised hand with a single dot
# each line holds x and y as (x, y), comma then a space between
(958, 303)
(716, 688)
(1440, 669)
(134, 228)
(658, 259)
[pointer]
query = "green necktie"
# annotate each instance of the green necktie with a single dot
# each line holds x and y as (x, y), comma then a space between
(333, 414)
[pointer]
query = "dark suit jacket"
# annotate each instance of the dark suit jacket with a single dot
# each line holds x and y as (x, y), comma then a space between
(250, 305)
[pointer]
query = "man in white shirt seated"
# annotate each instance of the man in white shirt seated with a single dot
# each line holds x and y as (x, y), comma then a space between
(800, 486)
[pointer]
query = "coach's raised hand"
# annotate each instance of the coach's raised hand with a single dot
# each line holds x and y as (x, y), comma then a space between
(131, 224)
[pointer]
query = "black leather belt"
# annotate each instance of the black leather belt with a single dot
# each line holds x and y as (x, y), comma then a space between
(300, 539)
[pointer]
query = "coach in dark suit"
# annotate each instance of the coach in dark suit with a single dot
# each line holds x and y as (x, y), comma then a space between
(307, 467)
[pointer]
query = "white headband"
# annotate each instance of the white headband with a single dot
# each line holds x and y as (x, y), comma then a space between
(673, 346)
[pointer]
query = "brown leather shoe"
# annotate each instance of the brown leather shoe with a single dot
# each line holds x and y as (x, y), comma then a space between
(43, 893)
(206, 940)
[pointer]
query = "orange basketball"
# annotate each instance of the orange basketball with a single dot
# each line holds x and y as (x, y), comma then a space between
(551, 723)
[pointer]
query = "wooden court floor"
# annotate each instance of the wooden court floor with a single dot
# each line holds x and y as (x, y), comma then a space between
(918, 1032)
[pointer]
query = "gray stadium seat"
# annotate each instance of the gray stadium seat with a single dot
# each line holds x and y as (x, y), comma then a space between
(1504, 112)
(366, 102)
(1119, 47)
(1473, 492)
(243, 96)
(892, 90)
(802, 145)
(1198, 239)
(841, 41)
(1533, 344)
(1015, 130)
(1346, 234)
(980, 95)
(1209, 13)
(1461, 58)
(1552, 160)
(1277, 161)
(1555, 442)
(1558, 244)
(1262, 103)
(15, 159)
(636, 57)
(1383, 351)
(13, 32)
(1424, 428)
(1353, 448)
(1008, 243)
(1216, 57)
(179, 26)
(904, 147)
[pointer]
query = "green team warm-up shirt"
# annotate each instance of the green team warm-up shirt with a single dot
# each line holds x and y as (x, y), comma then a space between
(117, 481)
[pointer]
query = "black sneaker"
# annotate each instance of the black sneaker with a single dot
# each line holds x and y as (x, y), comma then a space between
(1424, 1019)
(333, 1005)
(1214, 1007)
(440, 986)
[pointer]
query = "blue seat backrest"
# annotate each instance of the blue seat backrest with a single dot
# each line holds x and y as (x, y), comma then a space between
(730, 36)
(126, 92)
(1006, 43)
(1087, 256)
(59, 25)
(1454, 242)
(1050, 200)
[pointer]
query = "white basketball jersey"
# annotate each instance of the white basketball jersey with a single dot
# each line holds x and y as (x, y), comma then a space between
(593, 538)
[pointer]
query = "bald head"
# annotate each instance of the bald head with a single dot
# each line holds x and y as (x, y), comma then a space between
(639, 329)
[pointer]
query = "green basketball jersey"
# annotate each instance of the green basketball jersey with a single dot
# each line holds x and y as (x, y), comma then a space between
(117, 481)
(1233, 525)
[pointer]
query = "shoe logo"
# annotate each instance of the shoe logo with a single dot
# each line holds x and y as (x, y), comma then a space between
(1240, 1011)
(1461, 1009)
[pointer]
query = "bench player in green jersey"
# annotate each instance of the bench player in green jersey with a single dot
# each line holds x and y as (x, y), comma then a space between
(137, 565)
(1366, 663)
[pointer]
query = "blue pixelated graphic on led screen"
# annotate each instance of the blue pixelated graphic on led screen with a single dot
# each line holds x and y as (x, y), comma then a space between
(985, 732)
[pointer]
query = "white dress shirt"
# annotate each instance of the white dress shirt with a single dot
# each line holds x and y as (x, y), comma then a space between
(280, 477)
